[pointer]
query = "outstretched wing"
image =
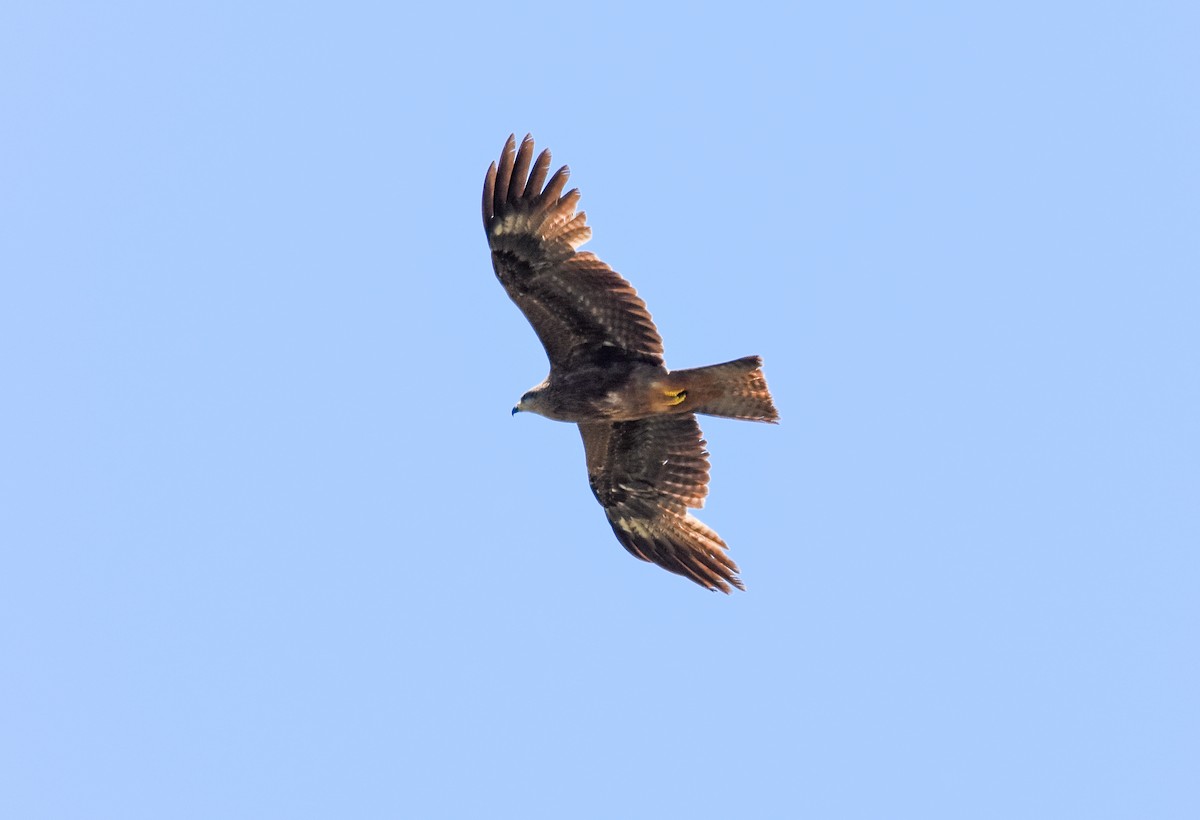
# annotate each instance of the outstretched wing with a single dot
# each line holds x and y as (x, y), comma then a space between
(646, 474)
(581, 309)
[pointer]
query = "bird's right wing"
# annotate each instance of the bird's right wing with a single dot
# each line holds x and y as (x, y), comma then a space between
(645, 474)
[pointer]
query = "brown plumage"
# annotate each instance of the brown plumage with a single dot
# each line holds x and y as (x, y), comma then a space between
(645, 453)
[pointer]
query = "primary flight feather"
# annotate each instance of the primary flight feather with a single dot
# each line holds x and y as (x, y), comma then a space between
(645, 453)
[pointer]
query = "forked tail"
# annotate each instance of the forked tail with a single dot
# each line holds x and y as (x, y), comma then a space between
(735, 390)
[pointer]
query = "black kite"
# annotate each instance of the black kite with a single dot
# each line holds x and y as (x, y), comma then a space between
(645, 453)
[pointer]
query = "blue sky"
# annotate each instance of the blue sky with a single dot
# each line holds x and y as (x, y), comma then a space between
(271, 544)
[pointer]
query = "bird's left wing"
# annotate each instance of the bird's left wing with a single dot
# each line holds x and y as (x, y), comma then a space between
(645, 474)
(581, 309)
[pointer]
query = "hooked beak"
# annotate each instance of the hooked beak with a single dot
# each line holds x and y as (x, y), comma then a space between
(516, 410)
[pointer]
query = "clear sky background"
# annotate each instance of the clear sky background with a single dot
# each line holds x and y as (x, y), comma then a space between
(272, 545)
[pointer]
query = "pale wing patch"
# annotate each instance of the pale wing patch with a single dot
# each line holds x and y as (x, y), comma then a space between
(511, 223)
(635, 526)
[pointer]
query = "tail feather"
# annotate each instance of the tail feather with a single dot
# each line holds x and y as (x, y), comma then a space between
(736, 390)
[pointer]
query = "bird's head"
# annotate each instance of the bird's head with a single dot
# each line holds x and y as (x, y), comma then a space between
(531, 402)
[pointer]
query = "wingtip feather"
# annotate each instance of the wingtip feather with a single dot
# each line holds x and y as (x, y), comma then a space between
(504, 173)
(682, 545)
(521, 169)
(538, 176)
(518, 177)
(554, 188)
(489, 192)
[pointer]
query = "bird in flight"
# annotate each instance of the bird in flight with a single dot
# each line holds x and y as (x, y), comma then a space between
(645, 453)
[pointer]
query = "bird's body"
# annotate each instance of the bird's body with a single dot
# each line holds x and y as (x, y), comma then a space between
(645, 452)
(594, 392)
